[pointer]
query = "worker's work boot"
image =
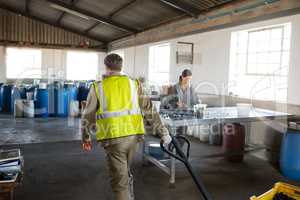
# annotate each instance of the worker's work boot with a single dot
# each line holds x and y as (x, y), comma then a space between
(130, 186)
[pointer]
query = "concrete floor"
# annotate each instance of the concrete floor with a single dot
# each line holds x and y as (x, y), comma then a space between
(57, 169)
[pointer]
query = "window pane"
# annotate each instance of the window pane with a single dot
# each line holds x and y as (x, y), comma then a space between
(275, 45)
(23, 63)
(267, 61)
(274, 58)
(159, 64)
(276, 33)
(82, 65)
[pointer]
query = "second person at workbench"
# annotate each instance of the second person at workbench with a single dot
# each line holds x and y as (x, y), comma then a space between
(181, 95)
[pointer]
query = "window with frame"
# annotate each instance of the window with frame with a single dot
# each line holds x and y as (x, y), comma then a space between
(259, 63)
(159, 64)
(23, 63)
(82, 65)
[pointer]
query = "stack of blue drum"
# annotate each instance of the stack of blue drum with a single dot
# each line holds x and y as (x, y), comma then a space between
(50, 100)
(60, 98)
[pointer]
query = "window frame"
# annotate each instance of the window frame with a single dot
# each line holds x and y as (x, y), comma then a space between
(152, 61)
(239, 69)
(282, 27)
(40, 68)
(78, 51)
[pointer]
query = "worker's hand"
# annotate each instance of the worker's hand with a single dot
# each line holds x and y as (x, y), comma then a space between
(166, 140)
(87, 145)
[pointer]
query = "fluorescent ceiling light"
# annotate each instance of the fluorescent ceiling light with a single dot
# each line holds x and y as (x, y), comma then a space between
(61, 8)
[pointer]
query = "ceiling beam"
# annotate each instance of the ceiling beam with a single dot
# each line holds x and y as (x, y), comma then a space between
(122, 8)
(14, 10)
(73, 2)
(92, 27)
(93, 16)
(27, 2)
(182, 6)
(240, 12)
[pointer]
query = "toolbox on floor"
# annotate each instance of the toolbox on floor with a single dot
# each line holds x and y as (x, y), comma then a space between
(291, 191)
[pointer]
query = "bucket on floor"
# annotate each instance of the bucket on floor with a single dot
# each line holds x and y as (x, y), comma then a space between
(19, 108)
(28, 108)
(29, 96)
(155, 151)
(203, 133)
(234, 142)
(290, 155)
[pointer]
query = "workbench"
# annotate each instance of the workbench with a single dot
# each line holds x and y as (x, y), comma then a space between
(214, 115)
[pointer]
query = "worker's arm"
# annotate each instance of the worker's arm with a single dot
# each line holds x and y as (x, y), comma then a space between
(151, 115)
(88, 119)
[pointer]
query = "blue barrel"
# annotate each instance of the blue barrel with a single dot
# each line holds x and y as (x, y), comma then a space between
(15, 95)
(82, 92)
(22, 91)
(41, 102)
(73, 93)
(290, 155)
(6, 98)
(61, 102)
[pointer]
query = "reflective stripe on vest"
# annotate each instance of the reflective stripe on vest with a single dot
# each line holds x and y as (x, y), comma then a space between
(103, 103)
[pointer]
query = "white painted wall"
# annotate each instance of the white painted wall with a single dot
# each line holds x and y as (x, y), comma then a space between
(212, 57)
(54, 64)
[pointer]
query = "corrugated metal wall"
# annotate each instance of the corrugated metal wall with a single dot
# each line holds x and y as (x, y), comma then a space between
(16, 28)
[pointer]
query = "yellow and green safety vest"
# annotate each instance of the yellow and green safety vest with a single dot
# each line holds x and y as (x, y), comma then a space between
(118, 114)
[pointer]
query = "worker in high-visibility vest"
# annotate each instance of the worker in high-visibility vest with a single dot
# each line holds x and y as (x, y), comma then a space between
(115, 106)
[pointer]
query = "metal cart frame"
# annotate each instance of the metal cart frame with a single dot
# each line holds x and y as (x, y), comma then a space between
(220, 115)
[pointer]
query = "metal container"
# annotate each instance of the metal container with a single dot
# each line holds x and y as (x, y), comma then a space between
(29, 108)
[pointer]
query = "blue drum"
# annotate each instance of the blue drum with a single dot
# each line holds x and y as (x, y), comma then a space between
(290, 155)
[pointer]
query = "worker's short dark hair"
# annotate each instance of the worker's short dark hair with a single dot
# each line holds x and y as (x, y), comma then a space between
(114, 62)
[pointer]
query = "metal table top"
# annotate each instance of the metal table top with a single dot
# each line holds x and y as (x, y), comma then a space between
(223, 115)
